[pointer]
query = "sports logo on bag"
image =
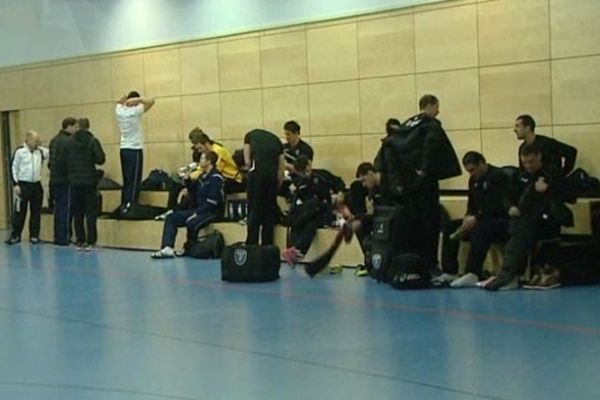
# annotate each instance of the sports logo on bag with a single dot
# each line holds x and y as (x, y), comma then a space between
(240, 256)
(376, 261)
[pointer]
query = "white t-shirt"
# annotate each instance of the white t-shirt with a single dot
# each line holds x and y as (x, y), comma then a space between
(130, 125)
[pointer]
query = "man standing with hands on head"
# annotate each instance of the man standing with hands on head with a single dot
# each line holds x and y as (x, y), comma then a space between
(129, 112)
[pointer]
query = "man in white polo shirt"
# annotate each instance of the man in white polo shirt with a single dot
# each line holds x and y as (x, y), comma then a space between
(26, 172)
(129, 113)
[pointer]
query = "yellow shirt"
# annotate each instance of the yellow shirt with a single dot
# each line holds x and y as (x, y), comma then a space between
(225, 164)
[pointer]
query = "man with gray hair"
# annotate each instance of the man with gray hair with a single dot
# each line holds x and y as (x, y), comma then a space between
(26, 173)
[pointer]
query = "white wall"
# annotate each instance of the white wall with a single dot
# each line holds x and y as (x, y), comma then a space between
(40, 30)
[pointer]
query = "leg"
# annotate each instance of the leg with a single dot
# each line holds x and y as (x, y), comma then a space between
(19, 216)
(137, 181)
(125, 172)
(429, 221)
(450, 247)
(62, 217)
(91, 214)
(37, 196)
(254, 210)
(77, 210)
(303, 236)
(194, 225)
(270, 211)
(482, 237)
(173, 221)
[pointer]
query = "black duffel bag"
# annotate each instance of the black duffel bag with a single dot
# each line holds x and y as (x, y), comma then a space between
(241, 263)
(409, 272)
(207, 246)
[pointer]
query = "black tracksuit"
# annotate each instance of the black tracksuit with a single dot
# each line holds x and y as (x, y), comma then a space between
(314, 193)
(541, 217)
(263, 185)
(421, 145)
(488, 204)
(59, 188)
(553, 154)
(83, 152)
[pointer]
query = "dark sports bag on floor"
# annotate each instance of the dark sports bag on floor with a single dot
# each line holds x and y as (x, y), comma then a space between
(577, 258)
(241, 263)
(205, 247)
(409, 272)
(392, 235)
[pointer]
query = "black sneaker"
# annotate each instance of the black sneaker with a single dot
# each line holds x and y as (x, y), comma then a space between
(12, 241)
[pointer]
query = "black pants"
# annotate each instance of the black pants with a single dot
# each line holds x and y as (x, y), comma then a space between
(84, 203)
(262, 208)
(60, 195)
(424, 207)
(132, 162)
(483, 235)
(31, 196)
(301, 237)
(233, 186)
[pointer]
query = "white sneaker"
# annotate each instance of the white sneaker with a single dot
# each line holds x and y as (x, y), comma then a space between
(466, 281)
(167, 252)
(443, 278)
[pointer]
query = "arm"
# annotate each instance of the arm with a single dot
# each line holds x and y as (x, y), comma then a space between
(568, 155)
(214, 196)
(147, 102)
(281, 170)
(98, 152)
(247, 156)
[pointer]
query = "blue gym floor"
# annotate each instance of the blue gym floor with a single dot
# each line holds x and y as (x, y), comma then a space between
(115, 325)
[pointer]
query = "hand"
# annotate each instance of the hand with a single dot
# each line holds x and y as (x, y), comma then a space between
(514, 212)
(469, 223)
(293, 188)
(184, 192)
(17, 190)
(191, 217)
(540, 185)
(420, 172)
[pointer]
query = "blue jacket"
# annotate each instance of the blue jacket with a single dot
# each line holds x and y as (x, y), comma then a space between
(210, 198)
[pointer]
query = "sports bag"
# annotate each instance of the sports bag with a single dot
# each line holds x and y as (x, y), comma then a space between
(241, 263)
(205, 247)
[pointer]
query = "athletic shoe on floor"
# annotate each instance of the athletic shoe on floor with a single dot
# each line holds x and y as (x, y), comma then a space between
(167, 252)
(469, 280)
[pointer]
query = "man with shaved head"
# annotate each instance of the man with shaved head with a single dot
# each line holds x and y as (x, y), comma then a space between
(26, 173)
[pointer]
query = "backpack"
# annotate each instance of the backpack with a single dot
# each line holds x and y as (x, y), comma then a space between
(205, 247)
(409, 272)
(402, 154)
(391, 236)
(157, 180)
(584, 184)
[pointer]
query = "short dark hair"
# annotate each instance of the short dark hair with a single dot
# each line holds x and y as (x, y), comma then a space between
(364, 168)
(527, 120)
(428, 100)
(197, 135)
(392, 126)
(211, 157)
(196, 154)
(133, 95)
(473, 158)
(69, 121)
(529, 149)
(301, 163)
(84, 123)
(292, 126)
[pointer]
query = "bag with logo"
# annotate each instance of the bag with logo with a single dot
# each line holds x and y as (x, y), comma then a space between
(241, 263)
(391, 236)
(409, 272)
(208, 246)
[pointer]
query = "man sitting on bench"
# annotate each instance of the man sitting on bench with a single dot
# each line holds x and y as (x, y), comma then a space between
(209, 205)
(485, 223)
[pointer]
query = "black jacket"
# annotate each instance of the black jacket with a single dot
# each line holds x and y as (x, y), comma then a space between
(83, 152)
(421, 144)
(487, 195)
(57, 163)
(553, 154)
